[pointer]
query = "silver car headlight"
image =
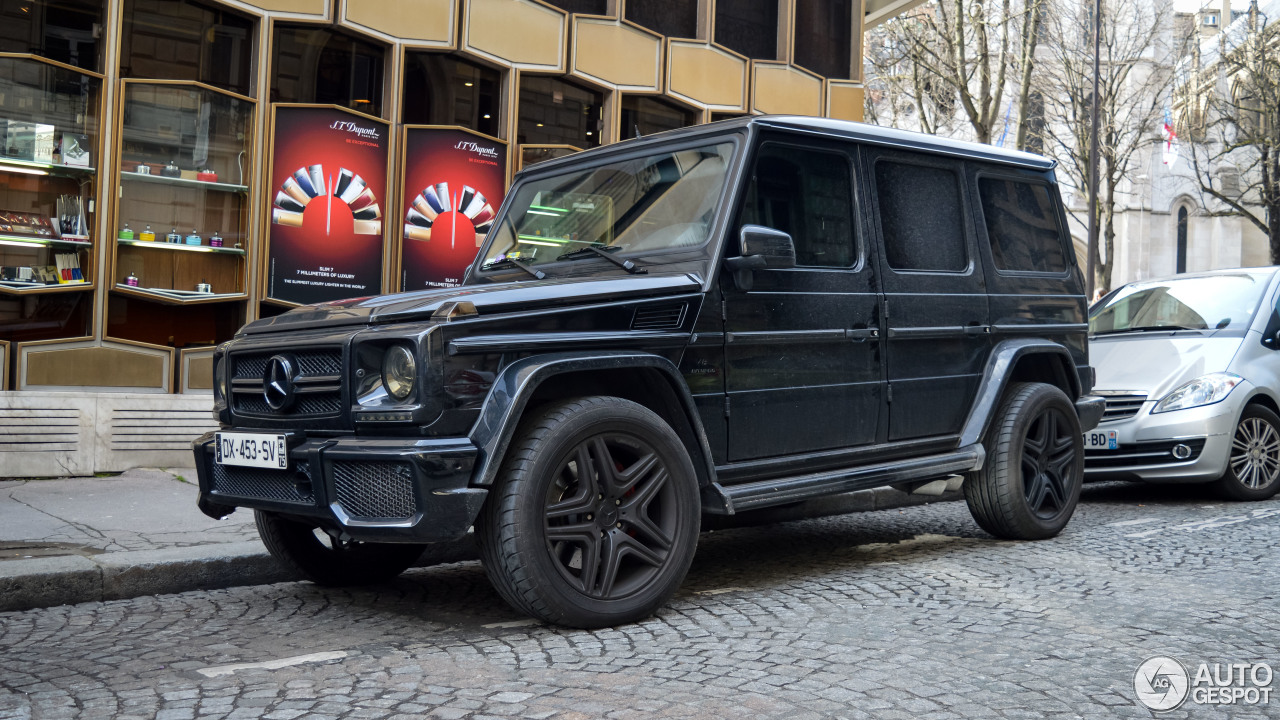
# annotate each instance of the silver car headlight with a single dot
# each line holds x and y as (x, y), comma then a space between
(1204, 390)
(399, 371)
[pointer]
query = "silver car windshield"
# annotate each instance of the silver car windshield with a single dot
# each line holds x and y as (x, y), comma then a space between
(1210, 302)
(635, 207)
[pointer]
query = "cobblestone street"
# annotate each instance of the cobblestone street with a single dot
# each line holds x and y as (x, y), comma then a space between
(911, 613)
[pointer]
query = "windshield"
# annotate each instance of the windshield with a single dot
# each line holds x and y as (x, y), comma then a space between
(639, 207)
(1194, 303)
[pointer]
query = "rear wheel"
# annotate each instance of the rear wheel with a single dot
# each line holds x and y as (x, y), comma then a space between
(325, 560)
(594, 518)
(1030, 484)
(1253, 470)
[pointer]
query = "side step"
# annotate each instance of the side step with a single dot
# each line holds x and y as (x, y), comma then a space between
(733, 499)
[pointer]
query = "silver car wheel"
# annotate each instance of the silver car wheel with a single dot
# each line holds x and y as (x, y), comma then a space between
(1255, 453)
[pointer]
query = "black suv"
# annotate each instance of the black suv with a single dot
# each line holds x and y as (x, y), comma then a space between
(718, 319)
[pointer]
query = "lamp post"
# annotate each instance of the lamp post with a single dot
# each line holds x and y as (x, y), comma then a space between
(1093, 156)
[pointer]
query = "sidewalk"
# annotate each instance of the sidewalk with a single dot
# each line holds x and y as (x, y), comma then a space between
(83, 539)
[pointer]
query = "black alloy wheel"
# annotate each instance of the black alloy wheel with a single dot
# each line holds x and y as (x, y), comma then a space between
(1030, 482)
(594, 517)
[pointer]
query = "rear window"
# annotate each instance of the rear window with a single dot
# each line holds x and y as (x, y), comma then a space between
(920, 217)
(1022, 226)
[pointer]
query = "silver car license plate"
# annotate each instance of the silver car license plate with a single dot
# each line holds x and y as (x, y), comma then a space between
(259, 450)
(1100, 440)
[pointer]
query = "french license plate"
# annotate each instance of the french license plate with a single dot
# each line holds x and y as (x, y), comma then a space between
(1100, 440)
(251, 450)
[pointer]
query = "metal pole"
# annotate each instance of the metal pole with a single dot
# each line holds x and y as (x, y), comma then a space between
(1093, 155)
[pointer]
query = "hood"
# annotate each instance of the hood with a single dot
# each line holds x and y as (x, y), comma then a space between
(1158, 363)
(488, 299)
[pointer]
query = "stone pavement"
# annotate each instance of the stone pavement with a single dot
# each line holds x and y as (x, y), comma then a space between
(905, 614)
(73, 540)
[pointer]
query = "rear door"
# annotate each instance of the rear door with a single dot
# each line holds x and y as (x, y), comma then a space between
(935, 301)
(802, 350)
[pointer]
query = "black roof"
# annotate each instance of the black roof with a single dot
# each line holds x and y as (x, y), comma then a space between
(863, 132)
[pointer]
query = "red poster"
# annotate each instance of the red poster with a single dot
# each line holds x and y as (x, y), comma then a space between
(328, 197)
(454, 182)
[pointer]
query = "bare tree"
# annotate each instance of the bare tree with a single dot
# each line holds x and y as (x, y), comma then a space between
(1129, 98)
(1233, 106)
(953, 60)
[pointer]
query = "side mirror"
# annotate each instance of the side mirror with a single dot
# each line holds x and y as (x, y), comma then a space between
(760, 247)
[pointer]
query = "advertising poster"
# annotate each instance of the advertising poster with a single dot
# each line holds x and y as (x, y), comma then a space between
(454, 182)
(328, 195)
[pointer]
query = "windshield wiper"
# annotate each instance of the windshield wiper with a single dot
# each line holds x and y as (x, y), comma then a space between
(592, 250)
(1146, 328)
(512, 262)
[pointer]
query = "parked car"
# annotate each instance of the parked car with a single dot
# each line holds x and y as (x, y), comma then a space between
(713, 320)
(1190, 372)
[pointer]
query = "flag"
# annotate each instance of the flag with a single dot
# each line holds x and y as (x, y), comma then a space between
(1170, 140)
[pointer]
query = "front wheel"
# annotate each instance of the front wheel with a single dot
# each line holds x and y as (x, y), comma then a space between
(594, 518)
(325, 560)
(1253, 470)
(1030, 484)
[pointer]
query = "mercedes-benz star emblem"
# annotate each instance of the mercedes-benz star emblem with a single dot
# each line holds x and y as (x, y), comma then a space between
(277, 383)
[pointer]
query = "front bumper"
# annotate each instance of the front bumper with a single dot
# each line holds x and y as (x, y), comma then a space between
(368, 489)
(1146, 443)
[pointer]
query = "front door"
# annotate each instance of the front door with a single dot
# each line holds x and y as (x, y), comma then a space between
(802, 350)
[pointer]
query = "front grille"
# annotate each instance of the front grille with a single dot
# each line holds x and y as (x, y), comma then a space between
(1122, 407)
(1136, 454)
(668, 317)
(382, 490)
(318, 386)
(264, 484)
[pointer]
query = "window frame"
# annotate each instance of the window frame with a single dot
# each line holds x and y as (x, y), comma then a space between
(835, 146)
(1068, 253)
(917, 158)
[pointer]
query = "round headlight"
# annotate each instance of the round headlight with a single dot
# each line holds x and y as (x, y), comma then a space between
(399, 371)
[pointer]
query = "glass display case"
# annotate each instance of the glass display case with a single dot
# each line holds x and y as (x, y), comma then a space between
(181, 222)
(49, 119)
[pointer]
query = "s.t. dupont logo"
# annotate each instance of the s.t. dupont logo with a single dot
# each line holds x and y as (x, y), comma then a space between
(477, 148)
(364, 132)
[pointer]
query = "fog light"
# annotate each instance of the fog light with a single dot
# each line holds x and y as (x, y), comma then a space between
(1181, 452)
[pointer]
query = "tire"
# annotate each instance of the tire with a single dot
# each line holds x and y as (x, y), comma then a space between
(1030, 484)
(592, 549)
(329, 562)
(1253, 467)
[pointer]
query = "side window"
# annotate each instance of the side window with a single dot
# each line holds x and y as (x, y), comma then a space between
(1022, 226)
(808, 194)
(920, 217)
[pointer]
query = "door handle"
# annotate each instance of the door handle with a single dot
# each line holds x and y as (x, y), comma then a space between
(977, 329)
(861, 334)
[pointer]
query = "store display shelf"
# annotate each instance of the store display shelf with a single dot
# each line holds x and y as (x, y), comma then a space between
(24, 288)
(161, 245)
(23, 241)
(176, 297)
(183, 182)
(41, 168)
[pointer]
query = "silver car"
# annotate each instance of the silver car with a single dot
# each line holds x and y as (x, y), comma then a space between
(1190, 369)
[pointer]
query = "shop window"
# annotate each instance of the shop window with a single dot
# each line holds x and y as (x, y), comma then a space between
(673, 18)
(1022, 226)
(67, 31)
(442, 89)
(582, 7)
(823, 32)
(807, 194)
(170, 40)
(920, 217)
(645, 116)
(749, 27)
(555, 112)
(316, 65)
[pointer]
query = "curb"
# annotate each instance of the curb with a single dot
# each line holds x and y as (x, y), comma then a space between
(70, 579)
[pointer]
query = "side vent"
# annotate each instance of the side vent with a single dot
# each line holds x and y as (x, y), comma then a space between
(661, 317)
